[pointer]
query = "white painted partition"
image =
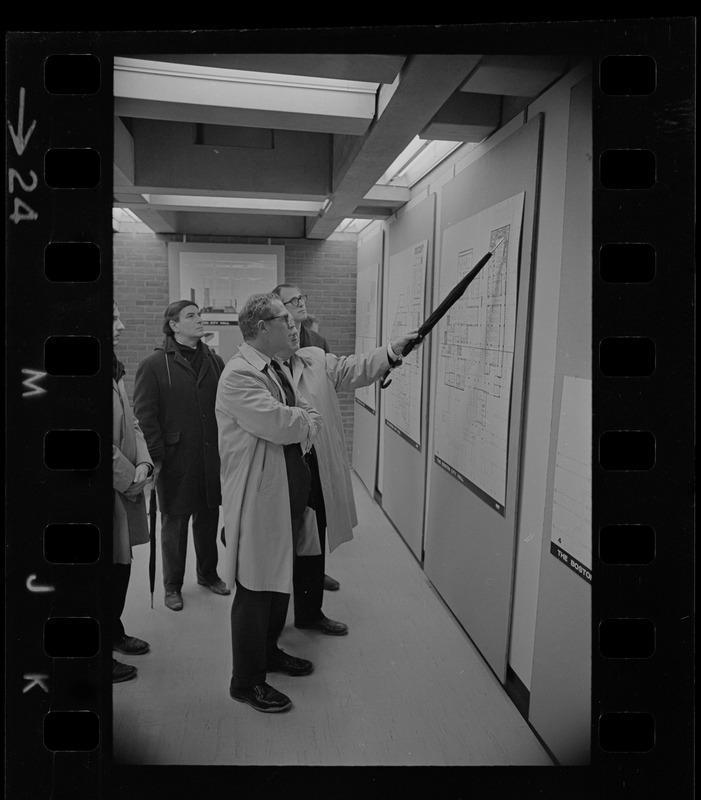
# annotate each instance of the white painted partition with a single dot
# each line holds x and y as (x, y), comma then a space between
(404, 440)
(470, 544)
(366, 417)
(563, 641)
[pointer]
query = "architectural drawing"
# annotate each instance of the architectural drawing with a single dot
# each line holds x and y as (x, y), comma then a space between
(476, 350)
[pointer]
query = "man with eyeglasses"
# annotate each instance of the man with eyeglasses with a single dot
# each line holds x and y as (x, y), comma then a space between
(318, 376)
(265, 426)
(296, 303)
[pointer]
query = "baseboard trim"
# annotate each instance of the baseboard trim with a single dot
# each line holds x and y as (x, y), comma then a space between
(517, 691)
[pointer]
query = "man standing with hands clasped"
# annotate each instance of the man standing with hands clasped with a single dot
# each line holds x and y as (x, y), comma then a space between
(174, 394)
(264, 429)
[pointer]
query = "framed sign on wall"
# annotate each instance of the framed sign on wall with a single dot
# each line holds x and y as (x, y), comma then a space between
(219, 278)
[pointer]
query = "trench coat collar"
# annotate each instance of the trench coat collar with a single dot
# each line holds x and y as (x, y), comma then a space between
(298, 360)
(254, 357)
(260, 362)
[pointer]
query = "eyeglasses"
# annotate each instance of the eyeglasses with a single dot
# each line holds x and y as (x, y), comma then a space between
(280, 316)
(296, 301)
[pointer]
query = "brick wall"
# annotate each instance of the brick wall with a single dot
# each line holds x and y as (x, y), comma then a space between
(324, 270)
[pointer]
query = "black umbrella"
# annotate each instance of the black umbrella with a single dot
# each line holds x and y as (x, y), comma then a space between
(153, 508)
(455, 294)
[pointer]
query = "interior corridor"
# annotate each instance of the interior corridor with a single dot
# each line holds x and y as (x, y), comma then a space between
(404, 687)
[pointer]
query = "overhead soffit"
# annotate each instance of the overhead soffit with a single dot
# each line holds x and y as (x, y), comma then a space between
(360, 101)
(343, 66)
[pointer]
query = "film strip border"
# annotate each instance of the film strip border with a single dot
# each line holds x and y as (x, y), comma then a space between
(58, 354)
(643, 419)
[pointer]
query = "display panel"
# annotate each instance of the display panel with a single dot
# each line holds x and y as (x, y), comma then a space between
(476, 350)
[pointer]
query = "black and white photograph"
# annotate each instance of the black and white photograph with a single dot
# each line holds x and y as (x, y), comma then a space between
(373, 501)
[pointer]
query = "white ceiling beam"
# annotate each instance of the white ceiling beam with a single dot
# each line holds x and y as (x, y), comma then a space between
(231, 205)
(190, 93)
(385, 195)
(424, 84)
(197, 209)
(375, 68)
(132, 190)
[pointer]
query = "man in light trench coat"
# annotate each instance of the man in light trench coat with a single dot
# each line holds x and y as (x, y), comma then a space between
(131, 468)
(296, 303)
(261, 421)
(317, 376)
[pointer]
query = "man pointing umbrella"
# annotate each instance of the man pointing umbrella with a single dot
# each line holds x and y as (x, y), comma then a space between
(438, 313)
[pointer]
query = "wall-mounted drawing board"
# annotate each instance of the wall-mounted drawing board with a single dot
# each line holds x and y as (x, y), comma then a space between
(366, 418)
(408, 283)
(470, 539)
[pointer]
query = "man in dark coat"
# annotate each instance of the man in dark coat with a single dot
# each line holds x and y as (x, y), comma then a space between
(174, 394)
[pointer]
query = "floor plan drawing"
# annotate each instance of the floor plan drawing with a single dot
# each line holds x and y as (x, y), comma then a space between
(476, 350)
(406, 293)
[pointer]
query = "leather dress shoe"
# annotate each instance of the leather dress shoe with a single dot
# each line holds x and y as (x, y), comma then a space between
(131, 646)
(290, 665)
(174, 601)
(331, 584)
(263, 698)
(122, 672)
(218, 586)
(324, 625)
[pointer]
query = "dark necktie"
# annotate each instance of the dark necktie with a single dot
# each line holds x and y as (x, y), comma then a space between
(316, 498)
(286, 386)
(298, 475)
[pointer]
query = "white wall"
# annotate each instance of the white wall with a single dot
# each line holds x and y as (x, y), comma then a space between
(555, 105)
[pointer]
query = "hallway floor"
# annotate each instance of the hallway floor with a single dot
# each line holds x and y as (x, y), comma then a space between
(405, 687)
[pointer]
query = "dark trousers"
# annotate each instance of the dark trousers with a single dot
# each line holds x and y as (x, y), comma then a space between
(174, 528)
(308, 571)
(120, 584)
(257, 620)
(308, 582)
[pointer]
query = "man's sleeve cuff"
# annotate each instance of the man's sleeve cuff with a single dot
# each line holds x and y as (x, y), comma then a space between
(393, 357)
